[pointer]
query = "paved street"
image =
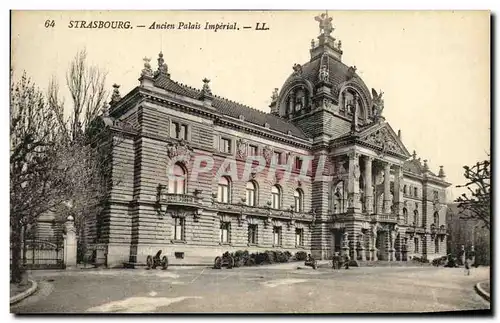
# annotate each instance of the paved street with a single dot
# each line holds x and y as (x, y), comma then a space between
(270, 289)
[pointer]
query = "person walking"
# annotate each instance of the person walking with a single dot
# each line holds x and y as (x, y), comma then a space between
(467, 266)
(335, 261)
(346, 260)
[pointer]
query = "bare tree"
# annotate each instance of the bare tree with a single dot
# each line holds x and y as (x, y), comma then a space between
(38, 165)
(85, 131)
(477, 204)
(86, 83)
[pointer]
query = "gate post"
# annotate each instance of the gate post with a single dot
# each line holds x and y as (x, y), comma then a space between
(70, 243)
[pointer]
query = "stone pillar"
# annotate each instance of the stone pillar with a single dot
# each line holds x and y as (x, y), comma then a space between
(387, 188)
(353, 184)
(392, 250)
(368, 185)
(354, 249)
(398, 191)
(70, 243)
(373, 249)
(345, 245)
(361, 248)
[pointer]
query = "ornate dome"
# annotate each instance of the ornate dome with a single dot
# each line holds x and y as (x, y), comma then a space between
(324, 82)
(339, 75)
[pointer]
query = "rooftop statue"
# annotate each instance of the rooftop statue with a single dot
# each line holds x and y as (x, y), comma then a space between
(378, 103)
(325, 24)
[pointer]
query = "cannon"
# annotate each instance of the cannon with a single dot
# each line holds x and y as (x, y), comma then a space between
(157, 261)
(311, 262)
(225, 261)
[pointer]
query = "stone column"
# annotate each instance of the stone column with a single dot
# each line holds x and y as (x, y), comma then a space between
(387, 188)
(392, 249)
(345, 245)
(354, 249)
(373, 249)
(368, 185)
(353, 184)
(398, 191)
(361, 249)
(70, 243)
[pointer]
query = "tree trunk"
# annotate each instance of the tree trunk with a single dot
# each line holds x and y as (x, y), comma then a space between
(16, 266)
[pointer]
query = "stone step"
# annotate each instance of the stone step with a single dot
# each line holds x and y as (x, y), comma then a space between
(385, 263)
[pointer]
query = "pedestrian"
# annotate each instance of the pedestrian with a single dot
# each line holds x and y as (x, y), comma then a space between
(467, 267)
(335, 261)
(346, 260)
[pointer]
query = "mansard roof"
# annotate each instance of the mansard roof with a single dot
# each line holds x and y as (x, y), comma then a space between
(415, 166)
(232, 109)
(338, 72)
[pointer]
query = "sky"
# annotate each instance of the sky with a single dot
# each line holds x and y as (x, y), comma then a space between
(433, 66)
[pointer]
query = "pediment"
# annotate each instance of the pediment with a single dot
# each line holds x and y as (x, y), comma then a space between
(385, 139)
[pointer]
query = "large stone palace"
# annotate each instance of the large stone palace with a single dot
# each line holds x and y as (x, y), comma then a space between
(337, 178)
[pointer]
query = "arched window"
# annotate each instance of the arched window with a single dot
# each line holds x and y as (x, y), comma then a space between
(177, 180)
(298, 200)
(275, 197)
(436, 219)
(416, 218)
(405, 215)
(224, 190)
(415, 192)
(251, 194)
(405, 190)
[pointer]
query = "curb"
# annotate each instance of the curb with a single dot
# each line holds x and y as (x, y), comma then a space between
(482, 292)
(19, 297)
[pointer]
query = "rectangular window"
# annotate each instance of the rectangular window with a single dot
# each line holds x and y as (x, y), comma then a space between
(252, 233)
(179, 131)
(225, 231)
(415, 241)
(277, 157)
(179, 228)
(436, 247)
(225, 145)
(252, 150)
(250, 198)
(415, 192)
(183, 132)
(277, 236)
(436, 196)
(298, 163)
(299, 237)
(223, 193)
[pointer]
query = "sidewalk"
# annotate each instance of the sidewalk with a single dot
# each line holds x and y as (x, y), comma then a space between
(22, 291)
(483, 289)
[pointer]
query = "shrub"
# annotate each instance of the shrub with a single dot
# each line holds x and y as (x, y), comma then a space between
(300, 255)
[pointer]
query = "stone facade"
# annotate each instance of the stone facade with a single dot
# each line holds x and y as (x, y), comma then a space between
(362, 192)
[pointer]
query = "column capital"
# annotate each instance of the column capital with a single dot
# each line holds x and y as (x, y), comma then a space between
(369, 158)
(353, 154)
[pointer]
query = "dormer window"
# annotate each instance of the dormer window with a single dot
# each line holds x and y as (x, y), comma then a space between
(296, 101)
(350, 99)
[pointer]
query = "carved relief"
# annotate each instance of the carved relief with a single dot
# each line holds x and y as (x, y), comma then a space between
(267, 153)
(357, 172)
(383, 139)
(180, 151)
(242, 148)
(324, 75)
(297, 69)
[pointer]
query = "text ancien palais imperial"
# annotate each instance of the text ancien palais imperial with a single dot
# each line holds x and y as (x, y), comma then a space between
(196, 174)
